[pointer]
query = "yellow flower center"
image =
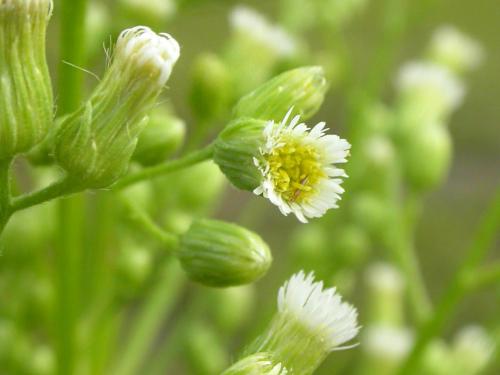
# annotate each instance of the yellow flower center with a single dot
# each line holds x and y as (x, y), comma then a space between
(295, 169)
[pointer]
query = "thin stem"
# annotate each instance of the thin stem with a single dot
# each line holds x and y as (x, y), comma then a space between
(457, 288)
(159, 303)
(168, 167)
(143, 219)
(483, 277)
(57, 189)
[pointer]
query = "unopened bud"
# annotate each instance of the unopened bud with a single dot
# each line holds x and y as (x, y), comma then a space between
(426, 153)
(26, 108)
(210, 90)
(94, 145)
(302, 88)
(162, 137)
(221, 254)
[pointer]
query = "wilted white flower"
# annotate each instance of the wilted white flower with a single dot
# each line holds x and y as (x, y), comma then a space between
(298, 167)
(388, 342)
(320, 310)
(253, 24)
(432, 81)
(146, 52)
(455, 50)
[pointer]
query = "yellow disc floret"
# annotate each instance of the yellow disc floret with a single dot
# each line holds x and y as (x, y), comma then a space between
(295, 169)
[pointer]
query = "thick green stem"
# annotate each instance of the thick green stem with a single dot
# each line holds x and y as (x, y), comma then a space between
(457, 288)
(69, 239)
(168, 167)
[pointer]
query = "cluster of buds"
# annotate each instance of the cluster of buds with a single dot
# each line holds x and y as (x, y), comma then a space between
(94, 145)
(430, 91)
(26, 100)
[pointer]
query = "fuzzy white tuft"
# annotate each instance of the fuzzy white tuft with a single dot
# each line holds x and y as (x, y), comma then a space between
(322, 310)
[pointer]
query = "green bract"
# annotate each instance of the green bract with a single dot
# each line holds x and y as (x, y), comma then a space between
(221, 254)
(235, 149)
(26, 102)
(256, 364)
(303, 89)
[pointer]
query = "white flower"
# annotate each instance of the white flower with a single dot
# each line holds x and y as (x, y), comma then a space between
(473, 348)
(321, 310)
(251, 23)
(155, 54)
(433, 80)
(454, 48)
(297, 165)
(384, 277)
(388, 342)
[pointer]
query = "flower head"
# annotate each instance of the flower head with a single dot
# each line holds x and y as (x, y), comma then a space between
(298, 167)
(320, 310)
(249, 22)
(149, 53)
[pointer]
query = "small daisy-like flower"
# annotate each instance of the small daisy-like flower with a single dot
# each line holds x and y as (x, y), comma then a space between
(320, 310)
(311, 322)
(249, 22)
(298, 167)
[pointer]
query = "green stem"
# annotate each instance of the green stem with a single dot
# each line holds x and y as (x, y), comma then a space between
(483, 277)
(5, 209)
(457, 288)
(143, 219)
(168, 167)
(149, 322)
(58, 189)
(69, 234)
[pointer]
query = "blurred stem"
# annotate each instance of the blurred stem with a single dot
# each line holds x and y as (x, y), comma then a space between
(144, 220)
(148, 324)
(69, 234)
(483, 277)
(186, 161)
(457, 288)
(5, 210)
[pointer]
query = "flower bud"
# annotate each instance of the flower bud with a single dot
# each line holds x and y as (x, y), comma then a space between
(94, 145)
(221, 254)
(235, 150)
(162, 137)
(256, 364)
(26, 101)
(302, 88)
(454, 50)
(386, 299)
(210, 91)
(426, 153)
(428, 91)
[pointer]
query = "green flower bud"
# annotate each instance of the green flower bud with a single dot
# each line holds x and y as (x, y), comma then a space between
(302, 88)
(221, 254)
(26, 101)
(437, 359)
(210, 91)
(371, 212)
(235, 149)
(162, 137)
(256, 364)
(94, 145)
(426, 153)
